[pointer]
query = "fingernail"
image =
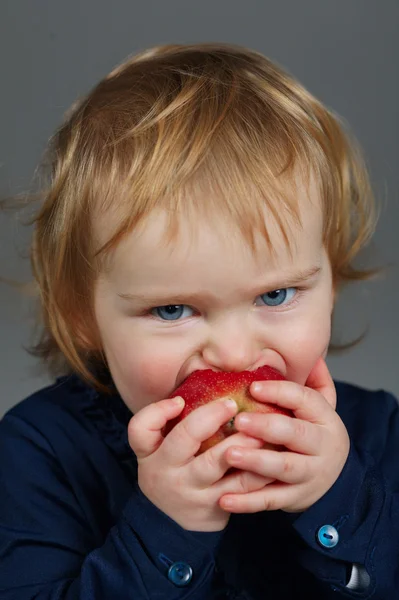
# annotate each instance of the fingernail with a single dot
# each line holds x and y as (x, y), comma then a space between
(179, 401)
(256, 387)
(244, 419)
(236, 453)
(228, 502)
(230, 403)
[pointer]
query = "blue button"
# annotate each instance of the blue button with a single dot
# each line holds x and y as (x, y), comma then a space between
(180, 573)
(328, 536)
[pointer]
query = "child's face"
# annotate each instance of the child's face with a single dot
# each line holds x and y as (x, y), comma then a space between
(207, 303)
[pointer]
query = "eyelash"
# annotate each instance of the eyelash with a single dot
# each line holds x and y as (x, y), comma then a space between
(299, 292)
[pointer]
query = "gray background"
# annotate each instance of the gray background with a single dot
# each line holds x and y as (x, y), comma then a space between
(344, 51)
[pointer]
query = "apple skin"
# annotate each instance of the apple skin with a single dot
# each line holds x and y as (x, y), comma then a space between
(204, 386)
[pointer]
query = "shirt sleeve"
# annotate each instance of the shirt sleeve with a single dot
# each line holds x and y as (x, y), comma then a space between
(351, 535)
(49, 551)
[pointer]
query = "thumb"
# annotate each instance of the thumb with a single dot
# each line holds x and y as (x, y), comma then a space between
(320, 380)
(145, 427)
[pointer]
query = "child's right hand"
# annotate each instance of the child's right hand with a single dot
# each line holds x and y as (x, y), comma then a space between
(186, 487)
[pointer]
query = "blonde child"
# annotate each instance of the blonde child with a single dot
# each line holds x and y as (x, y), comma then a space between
(203, 211)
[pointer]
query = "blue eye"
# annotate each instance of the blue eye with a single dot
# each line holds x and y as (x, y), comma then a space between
(171, 312)
(175, 312)
(278, 297)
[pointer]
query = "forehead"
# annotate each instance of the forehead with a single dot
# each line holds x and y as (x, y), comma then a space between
(201, 242)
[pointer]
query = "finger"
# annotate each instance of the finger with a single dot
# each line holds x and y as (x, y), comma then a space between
(240, 482)
(145, 427)
(210, 466)
(305, 403)
(287, 467)
(321, 381)
(185, 439)
(275, 496)
(295, 434)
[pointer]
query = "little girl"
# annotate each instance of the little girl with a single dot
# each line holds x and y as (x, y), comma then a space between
(203, 211)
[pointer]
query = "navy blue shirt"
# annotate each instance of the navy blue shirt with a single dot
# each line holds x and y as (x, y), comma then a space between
(75, 525)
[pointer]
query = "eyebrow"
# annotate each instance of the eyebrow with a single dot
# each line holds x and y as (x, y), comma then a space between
(170, 297)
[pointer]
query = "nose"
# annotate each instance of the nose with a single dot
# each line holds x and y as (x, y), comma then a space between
(231, 346)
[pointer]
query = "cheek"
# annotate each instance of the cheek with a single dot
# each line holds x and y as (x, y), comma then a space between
(307, 344)
(154, 375)
(143, 372)
(144, 367)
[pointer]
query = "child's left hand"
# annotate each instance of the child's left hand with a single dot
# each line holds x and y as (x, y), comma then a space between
(317, 444)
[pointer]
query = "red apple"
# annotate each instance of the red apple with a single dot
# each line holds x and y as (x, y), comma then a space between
(205, 386)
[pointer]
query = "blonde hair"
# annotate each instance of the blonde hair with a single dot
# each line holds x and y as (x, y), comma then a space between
(161, 126)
